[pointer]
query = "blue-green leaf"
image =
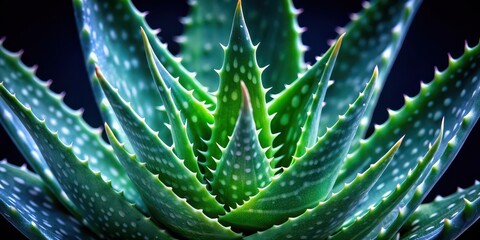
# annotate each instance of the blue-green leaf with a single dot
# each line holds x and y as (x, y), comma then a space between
(165, 205)
(160, 159)
(327, 217)
(110, 37)
(88, 190)
(362, 223)
(69, 124)
(453, 147)
(244, 167)
(373, 38)
(271, 22)
(311, 176)
(452, 94)
(288, 108)
(445, 218)
(240, 64)
(196, 114)
(29, 205)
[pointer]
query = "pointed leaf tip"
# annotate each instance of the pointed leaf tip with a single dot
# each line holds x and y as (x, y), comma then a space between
(246, 96)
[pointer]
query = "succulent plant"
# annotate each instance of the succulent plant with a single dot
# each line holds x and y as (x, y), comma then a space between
(235, 154)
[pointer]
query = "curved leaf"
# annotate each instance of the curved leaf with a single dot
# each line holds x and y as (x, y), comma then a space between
(453, 147)
(364, 222)
(311, 176)
(87, 189)
(28, 204)
(452, 94)
(288, 107)
(110, 37)
(69, 124)
(373, 38)
(160, 159)
(197, 116)
(165, 205)
(324, 219)
(445, 218)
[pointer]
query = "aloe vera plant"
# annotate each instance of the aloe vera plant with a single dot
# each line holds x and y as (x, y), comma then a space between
(235, 154)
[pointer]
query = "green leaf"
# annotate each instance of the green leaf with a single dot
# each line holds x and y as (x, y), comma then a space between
(288, 108)
(110, 37)
(324, 219)
(29, 205)
(453, 147)
(69, 124)
(87, 189)
(445, 218)
(309, 133)
(271, 22)
(364, 222)
(240, 64)
(451, 94)
(244, 167)
(197, 116)
(310, 176)
(373, 38)
(166, 207)
(160, 158)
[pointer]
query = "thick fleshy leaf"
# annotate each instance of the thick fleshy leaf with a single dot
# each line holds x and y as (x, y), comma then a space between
(244, 167)
(309, 131)
(271, 22)
(69, 124)
(363, 222)
(453, 147)
(181, 144)
(86, 188)
(289, 107)
(196, 114)
(445, 218)
(29, 205)
(373, 38)
(452, 94)
(166, 207)
(110, 37)
(310, 176)
(240, 64)
(160, 158)
(321, 221)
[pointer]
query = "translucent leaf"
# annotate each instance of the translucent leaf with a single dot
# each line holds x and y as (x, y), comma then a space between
(160, 159)
(166, 207)
(362, 223)
(271, 22)
(310, 176)
(87, 189)
(240, 64)
(373, 38)
(29, 205)
(445, 218)
(243, 168)
(327, 217)
(69, 124)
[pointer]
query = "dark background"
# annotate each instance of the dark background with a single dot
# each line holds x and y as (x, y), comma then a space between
(46, 31)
